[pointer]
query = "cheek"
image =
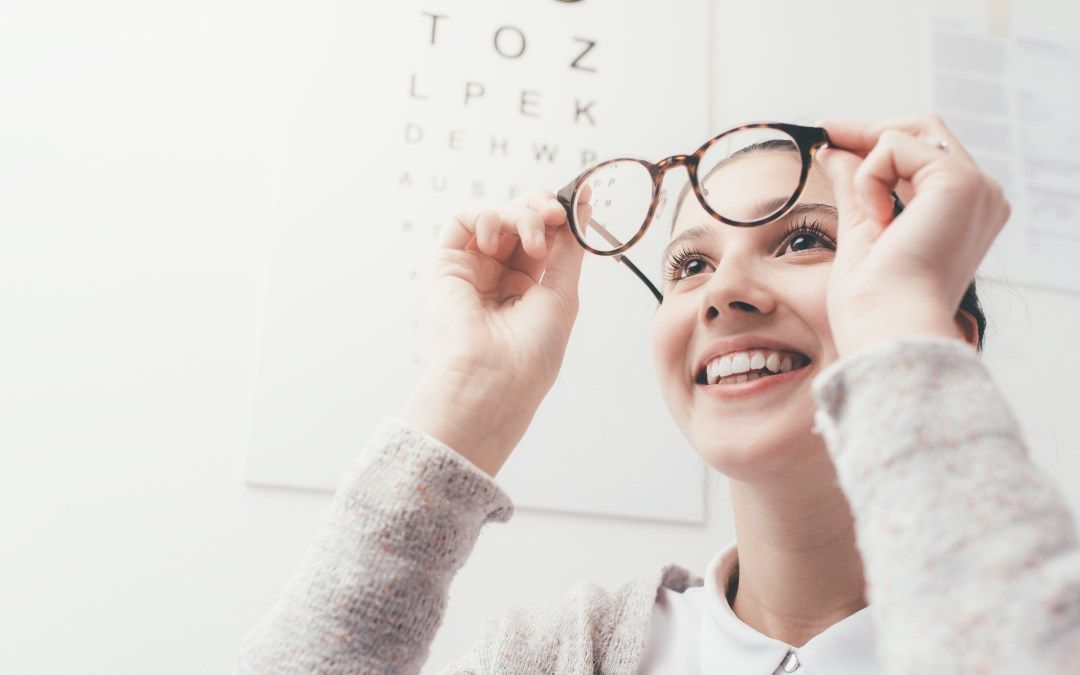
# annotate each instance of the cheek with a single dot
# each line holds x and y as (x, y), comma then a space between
(661, 338)
(807, 298)
(671, 330)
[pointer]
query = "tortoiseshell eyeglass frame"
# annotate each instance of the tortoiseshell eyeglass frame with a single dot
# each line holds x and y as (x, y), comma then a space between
(807, 139)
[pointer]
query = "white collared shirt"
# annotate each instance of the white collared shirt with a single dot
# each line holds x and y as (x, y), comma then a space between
(696, 631)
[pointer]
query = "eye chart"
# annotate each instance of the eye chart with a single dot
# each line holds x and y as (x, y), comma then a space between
(396, 119)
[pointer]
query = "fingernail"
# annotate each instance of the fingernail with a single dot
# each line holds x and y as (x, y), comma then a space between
(537, 238)
(554, 205)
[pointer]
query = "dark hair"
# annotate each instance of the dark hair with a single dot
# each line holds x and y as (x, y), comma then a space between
(969, 303)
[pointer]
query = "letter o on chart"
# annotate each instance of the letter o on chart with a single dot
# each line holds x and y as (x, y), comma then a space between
(499, 41)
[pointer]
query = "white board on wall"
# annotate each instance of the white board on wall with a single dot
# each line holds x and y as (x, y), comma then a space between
(399, 117)
(1009, 88)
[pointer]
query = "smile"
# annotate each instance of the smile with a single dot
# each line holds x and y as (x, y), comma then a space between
(746, 373)
(750, 365)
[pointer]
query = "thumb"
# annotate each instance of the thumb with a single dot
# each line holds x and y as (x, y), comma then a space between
(564, 265)
(839, 167)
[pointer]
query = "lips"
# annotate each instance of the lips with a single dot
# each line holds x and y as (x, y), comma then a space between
(750, 365)
(731, 391)
(744, 343)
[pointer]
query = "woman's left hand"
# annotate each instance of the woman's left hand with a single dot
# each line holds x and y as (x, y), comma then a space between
(904, 276)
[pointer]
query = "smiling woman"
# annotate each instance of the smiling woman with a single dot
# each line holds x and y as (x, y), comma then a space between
(745, 314)
(887, 517)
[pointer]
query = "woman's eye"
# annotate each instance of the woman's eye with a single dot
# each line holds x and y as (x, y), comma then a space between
(684, 266)
(688, 268)
(804, 241)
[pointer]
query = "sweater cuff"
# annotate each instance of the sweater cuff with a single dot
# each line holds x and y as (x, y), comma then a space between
(934, 389)
(429, 473)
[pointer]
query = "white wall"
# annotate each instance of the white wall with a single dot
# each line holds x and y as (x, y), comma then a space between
(136, 182)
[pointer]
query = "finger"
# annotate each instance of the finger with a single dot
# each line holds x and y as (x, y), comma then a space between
(861, 137)
(545, 203)
(522, 262)
(554, 217)
(487, 227)
(839, 167)
(896, 156)
(582, 210)
(528, 216)
(585, 211)
(528, 224)
(564, 266)
(552, 214)
(905, 191)
(460, 231)
(854, 233)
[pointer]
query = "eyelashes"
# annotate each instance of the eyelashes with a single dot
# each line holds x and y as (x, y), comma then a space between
(792, 233)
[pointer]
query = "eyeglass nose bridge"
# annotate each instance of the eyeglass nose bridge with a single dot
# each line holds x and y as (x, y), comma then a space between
(660, 168)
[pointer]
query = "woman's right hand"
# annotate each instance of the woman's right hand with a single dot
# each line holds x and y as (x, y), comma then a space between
(502, 299)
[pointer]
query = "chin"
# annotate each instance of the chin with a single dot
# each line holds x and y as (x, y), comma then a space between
(759, 447)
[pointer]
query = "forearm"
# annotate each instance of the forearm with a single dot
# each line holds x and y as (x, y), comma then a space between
(371, 590)
(969, 551)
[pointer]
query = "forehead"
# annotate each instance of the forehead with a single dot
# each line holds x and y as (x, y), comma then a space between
(738, 188)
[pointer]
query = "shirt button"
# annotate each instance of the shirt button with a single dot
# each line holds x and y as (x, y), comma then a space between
(790, 663)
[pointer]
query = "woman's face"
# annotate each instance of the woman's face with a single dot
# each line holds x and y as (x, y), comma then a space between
(747, 295)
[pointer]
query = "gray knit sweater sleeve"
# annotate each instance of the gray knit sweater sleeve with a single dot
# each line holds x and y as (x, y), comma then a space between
(969, 551)
(372, 587)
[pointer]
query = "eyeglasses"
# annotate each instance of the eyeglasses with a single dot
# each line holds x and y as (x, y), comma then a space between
(746, 176)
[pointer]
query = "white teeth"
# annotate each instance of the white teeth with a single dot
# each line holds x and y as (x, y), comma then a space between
(773, 362)
(757, 361)
(740, 363)
(748, 366)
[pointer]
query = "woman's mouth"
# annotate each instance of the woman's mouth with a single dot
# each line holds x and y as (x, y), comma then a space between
(750, 365)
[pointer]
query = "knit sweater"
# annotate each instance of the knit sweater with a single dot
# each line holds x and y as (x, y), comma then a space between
(970, 554)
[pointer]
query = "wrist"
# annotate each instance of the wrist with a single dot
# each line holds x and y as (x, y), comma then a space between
(871, 319)
(476, 416)
(874, 324)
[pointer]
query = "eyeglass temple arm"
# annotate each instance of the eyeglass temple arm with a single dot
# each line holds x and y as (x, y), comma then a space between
(624, 260)
(564, 198)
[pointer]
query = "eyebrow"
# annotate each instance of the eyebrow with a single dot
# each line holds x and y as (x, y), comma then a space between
(767, 206)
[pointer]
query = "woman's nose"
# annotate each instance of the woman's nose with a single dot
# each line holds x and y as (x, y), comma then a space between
(735, 291)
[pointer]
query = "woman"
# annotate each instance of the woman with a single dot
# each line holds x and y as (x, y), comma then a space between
(919, 499)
